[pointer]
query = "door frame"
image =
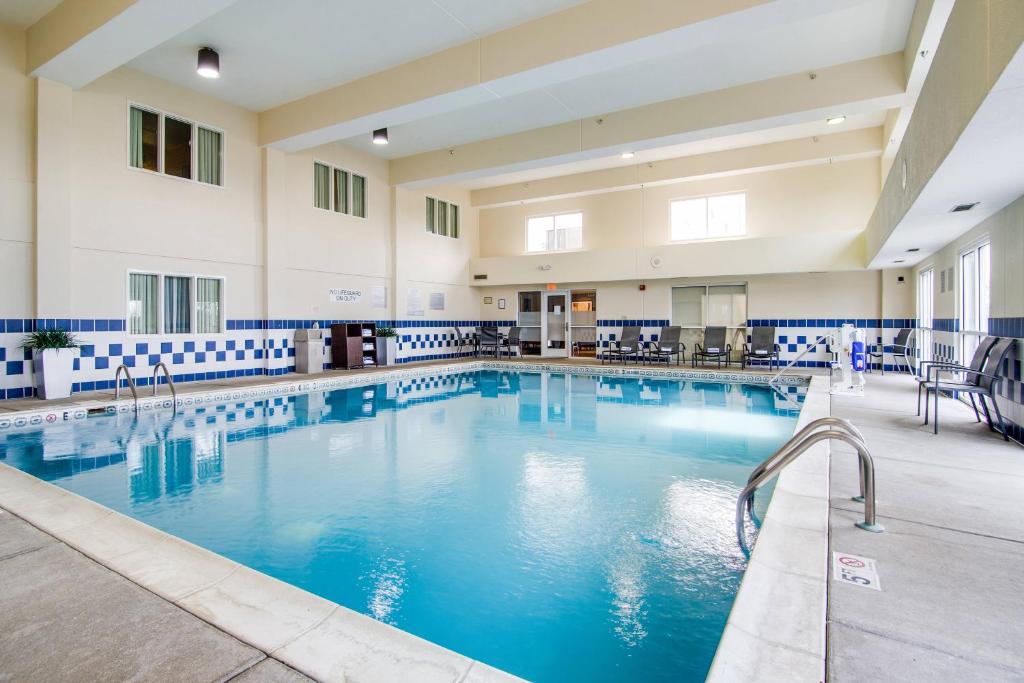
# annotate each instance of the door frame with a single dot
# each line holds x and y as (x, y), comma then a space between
(545, 350)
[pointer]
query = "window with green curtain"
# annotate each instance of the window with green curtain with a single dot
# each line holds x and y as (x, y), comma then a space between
(142, 138)
(321, 186)
(209, 156)
(208, 303)
(442, 218)
(177, 304)
(358, 196)
(453, 214)
(340, 191)
(431, 209)
(177, 148)
(142, 303)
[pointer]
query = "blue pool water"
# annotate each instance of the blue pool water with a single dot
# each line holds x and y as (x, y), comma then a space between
(560, 527)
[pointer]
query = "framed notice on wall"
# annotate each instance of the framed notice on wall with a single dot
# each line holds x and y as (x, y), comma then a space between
(437, 301)
(413, 302)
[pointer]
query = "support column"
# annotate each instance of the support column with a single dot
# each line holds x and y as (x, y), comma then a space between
(53, 199)
(275, 245)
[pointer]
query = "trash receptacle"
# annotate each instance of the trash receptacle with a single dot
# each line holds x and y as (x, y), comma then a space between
(309, 350)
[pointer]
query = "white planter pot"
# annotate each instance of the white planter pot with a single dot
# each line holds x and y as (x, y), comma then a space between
(53, 369)
(387, 350)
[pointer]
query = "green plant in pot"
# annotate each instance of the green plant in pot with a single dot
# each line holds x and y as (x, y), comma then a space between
(53, 361)
(387, 346)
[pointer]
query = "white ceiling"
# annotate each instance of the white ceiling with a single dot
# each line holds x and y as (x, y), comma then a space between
(983, 166)
(715, 144)
(273, 52)
(796, 41)
(24, 13)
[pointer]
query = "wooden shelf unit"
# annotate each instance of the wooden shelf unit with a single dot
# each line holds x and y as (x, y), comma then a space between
(353, 345)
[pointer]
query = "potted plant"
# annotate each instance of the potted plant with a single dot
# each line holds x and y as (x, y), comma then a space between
(53, 360)
(387, 346)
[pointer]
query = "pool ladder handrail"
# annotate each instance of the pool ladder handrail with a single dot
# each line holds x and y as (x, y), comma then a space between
(170, 382)
(791, 450)
(131, 384)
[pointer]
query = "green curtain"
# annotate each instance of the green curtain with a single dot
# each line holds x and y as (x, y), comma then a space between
(207, 305)
(209, 156)
(142, 303)
(177, 305)
(358, 196)
(453, 231)
(321, 186)
(340, 191)
(135, 138)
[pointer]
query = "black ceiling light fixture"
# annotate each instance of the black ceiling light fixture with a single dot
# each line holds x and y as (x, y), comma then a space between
(380, 136)
(208, 65)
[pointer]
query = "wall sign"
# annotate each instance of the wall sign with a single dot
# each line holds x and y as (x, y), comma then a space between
(413, 302)
(379, 296)
(437, 301)
(343, 296)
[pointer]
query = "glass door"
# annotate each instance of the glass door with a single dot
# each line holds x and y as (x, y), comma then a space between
(555, 324)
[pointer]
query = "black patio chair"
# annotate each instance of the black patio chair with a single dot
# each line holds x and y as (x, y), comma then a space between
(977, 363)
(762, 348)
(900, 347)
(512, 341)
(666, 346)
(985, 383)
(489, 339)
(714, 347)
(626, 346)
(463, 340)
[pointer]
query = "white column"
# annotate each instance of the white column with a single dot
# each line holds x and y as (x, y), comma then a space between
(53, 199)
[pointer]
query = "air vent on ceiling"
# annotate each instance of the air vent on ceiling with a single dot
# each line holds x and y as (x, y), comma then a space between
(481, 276)
(963, 207)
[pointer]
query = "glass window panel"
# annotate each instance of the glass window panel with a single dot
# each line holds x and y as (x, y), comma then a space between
(689, 219)
(340, 191)
(539, 230)
(727, 215)
(431, 213)
(688, 306)
(177, 304)
(984, 284)
(142, 303)
(442, 218)
(209, 157)
(208, 304)
(969, 291)
(358, 196)
(321, 186)
(177, 148)
(142, 139)
(727, 305)
(453, 228)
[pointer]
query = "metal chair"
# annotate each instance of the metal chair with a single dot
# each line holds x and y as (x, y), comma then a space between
(901, 345)
(512, 340)
(985, 383)
(977, 363)
(713, 348)
(489, 338)
(626, 346)
(464, 340)
(666, 346)
(762, 347)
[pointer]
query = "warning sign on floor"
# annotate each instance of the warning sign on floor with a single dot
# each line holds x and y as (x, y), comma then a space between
(860, 571)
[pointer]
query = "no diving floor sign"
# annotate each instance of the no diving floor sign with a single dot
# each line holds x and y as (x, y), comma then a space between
(860, 571)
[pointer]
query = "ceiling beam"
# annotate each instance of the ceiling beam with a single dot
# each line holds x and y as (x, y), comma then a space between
(590, 37)
(864, 142)
(856, 87)
(80, 40)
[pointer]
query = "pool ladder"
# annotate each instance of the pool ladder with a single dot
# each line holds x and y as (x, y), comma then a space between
(839, 430)
(131, 384)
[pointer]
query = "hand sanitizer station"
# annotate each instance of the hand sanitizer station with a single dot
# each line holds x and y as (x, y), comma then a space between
(851, 361)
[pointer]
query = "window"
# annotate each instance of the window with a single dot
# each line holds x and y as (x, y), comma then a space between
(175, 304)
(925, 312)
(974, 298)
(338, 190)
(442, 218)
(163, 143)
(701, 306)
(560, 232)
(723, 215)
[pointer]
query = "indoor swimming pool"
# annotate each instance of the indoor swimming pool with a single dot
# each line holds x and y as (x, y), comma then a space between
(541, 522)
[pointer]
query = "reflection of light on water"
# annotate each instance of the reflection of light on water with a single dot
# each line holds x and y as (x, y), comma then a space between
(388, 586)
(628, 601)
(697, 522)
(302, 532)
(725, 422)
(342, 443)
(554, 501)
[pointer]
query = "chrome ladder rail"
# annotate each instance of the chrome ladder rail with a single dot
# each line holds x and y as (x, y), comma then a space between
(795, 447)
(170, 383)
(131, 384)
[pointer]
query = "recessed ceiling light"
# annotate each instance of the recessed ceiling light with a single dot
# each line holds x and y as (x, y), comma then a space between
(835, 120)
(913, 250)
(628, 155)
(899, 260)
(380, 136)
(208, 65)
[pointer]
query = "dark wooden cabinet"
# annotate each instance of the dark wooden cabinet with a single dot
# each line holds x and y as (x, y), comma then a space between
(353, 345)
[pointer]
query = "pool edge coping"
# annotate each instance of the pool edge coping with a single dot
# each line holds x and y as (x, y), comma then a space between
(776, 626)
(221, 593)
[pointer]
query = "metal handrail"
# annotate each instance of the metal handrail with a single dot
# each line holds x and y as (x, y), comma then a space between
(170, 382)
(831, 423)
(807, 349)
(775, 465)
(131, 384)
